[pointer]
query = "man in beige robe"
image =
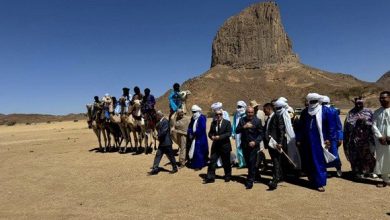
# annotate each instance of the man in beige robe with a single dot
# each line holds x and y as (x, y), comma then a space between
(179, 133)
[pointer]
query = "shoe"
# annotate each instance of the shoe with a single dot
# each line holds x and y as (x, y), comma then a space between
(153, 172)
(382, 184)
(339, 173)
(173, 171)
(227, 179)
(272, 185)
(207, 181)
(248, 185)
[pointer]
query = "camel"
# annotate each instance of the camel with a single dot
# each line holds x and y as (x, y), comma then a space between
(121, 120)
(137, 123)
(150, 131)
(96, 123)
(112, 127)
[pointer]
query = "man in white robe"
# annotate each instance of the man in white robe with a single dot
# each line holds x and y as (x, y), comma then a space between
(381, 129)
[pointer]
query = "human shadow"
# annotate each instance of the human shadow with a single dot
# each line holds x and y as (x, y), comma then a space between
(351, 177)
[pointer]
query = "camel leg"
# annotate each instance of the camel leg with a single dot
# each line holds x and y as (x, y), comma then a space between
(103, 131)
(155, 140)
(146, 142)
(97, 132)
(135, 140)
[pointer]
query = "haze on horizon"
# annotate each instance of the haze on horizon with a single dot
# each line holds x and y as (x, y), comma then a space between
(55, 55)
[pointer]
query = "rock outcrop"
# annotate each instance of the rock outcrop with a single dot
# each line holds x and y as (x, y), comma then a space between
(253, 38)
(252, 58)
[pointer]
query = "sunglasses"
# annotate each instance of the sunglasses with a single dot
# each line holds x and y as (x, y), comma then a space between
(193, 112)
(239, 106)
(218, 114)
(313, 102)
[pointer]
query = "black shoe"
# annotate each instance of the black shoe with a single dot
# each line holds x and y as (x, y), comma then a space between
(207, 181)
(249, 185)
(227, 179)
(153, 172)
(272, 185)
(173, 171)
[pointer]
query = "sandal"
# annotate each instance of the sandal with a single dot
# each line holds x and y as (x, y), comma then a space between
(321, 189)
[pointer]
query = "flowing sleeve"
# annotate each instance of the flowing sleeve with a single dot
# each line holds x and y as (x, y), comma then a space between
(331, 132)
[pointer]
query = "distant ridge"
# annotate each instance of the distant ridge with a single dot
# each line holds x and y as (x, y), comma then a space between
(38, 118)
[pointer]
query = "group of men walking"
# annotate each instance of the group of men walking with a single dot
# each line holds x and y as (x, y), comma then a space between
(308, 144)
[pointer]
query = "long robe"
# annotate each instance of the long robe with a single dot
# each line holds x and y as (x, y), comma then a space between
(358, 139)
(237, 138)
(313, 159)
(381, 128)
(201, 150)
(334, 149)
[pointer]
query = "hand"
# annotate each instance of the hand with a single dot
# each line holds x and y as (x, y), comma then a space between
(382, 140)
(339, 143)
(248, 125)
(252, 144)
(279, 146)
(327, 144)
(216, 138)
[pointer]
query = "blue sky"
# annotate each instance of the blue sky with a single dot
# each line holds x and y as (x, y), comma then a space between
(55, 55)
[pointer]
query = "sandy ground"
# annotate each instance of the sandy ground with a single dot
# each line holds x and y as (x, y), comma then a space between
(50, 171)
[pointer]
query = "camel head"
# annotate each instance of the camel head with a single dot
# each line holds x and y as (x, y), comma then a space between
(137, 103)
(184, 94)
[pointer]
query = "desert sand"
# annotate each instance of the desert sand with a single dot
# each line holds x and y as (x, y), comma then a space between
(51, 171)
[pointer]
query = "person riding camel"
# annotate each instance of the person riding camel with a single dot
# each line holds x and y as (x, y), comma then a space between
(175, 101)
(147, 106)
(137, 95)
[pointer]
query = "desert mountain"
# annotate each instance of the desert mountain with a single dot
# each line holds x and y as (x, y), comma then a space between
(384, 81)
(252, 58)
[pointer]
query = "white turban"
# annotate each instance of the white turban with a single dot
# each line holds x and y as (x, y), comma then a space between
(313, 96)
(280, 104)
(216, 106)
(325, 99)
(282, 99)
(241, 103)
(196, 108)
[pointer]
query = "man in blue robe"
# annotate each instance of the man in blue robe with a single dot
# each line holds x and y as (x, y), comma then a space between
(199, 150)
(317, 130)
(334, 148)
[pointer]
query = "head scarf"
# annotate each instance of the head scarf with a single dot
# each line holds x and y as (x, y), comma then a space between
(243, 105)
(313, 108)
(282, 99)
(216, 106)
(196, 112)
(325, 99)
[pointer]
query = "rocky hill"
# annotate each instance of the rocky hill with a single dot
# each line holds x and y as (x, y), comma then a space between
(252, 58)
(384, 81)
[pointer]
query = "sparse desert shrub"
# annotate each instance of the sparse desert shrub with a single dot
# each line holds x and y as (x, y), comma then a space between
(48, 122)
(28, 123)
(75, 120)
(11, 123)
